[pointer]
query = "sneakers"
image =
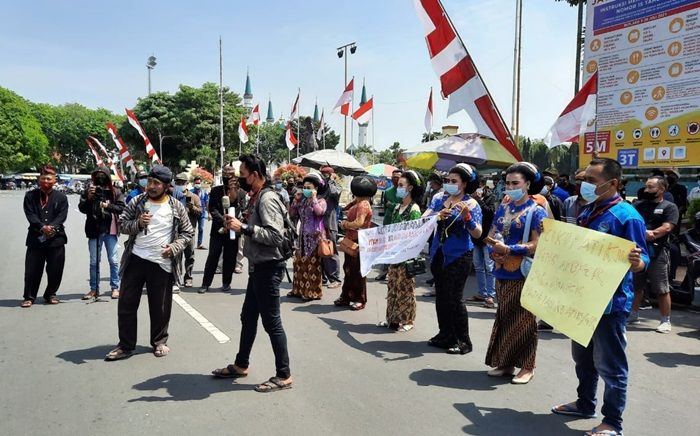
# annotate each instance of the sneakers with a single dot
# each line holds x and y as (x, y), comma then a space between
(226, 288)
(203, 290)
(664, 327)
(176, 289)
(633, 319)
(238, 270)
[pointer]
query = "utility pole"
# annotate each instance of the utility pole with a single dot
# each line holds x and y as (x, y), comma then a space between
(343, 52)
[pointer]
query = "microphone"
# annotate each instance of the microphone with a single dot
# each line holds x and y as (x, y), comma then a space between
(146, 209)
(225, 205)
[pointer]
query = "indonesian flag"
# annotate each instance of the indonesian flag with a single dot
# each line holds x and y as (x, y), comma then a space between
(295, 108)
(150, 151)
(345, 99)
(95, 154)
(429, 113)
(110, 162)
(289, 137)
(255, 116)
(364, 113)
(459, 79)
(575, 118)
(243, 131)
(321, 128)
(124, 154)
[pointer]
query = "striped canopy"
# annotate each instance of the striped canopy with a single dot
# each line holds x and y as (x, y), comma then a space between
(472, 148)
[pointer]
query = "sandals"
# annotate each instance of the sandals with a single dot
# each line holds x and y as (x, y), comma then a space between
(570, 409)
(272, 385)
(459, 349)
(115, 294)
(291, 294)
(161, 350)
(340, 302)
(405, 328)
(90, 295)
(357, 306)
(595, 432)
(334, 285)
(228, 372)
(26, 303)
(118, 354)
(52, 300)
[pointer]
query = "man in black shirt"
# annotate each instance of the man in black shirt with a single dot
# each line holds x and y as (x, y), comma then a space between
(660, 217)
(46, 210)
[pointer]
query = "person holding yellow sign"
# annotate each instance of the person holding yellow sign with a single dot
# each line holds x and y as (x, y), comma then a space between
(516, 227)
(605, 354)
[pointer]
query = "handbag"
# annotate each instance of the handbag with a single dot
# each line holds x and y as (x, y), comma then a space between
(325, 248)
(526, 263)
(415, 267)
(349, 247)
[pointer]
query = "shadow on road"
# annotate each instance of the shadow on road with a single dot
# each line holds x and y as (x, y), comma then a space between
(65, 298)
(318, 309)
(490, 421)
(405, 349)
(673, 360)
(456, 379)
(95, 353)
(187, 387)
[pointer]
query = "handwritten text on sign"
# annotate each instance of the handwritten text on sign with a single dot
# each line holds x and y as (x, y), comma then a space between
(574, 275)
(394, 243)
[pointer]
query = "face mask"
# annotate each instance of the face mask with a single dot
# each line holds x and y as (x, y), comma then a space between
(515, 194)
(101, 181)
(401, 192)
(143, 182)
(197, 186)
(588, 192)
(46, 185)
(545, 190)
(644, 195)
(480, 191)
(451, 189)
(278, 185)
(243, 183)
(307, 193)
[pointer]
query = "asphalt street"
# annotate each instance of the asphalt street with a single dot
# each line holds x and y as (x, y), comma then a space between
(351, 377)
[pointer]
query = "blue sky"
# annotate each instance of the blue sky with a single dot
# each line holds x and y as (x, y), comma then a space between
(94, 53)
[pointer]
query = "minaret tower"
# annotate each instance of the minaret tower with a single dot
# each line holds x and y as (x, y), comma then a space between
(248, 94)
(362, 130)
(270, 118)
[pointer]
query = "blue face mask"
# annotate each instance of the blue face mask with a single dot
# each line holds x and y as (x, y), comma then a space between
(401, 192)
(515, 194)
(143, 182)
(588, 192)
(545, 190)
(278, 185)
(451, 189)
(307, 193)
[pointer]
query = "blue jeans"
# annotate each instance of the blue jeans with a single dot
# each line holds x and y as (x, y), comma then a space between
(95, 245)
(483, 265)
(604, 356)
(200, 229)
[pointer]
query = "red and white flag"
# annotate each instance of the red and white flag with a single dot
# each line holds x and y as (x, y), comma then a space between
(150, 151)
(459, 79)
(295, 108)
(429, 113)
(124, 154)
(364, 113)
(95, 154)
(255, 116)
(243, 130)
(345, 99)
(289, 137)
(575, 118)
(321, 128)
(110, 162)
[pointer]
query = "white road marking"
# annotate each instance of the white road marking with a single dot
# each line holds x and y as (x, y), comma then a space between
(208, 326)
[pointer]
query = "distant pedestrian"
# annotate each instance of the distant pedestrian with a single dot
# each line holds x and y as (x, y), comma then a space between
(203, 195)
(194, 212)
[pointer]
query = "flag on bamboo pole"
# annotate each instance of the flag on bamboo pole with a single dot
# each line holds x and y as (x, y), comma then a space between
(110, 162)
(289, 137)
(124, 154)
(243, 130)
(255, 116)
(364, 113)
(346, 98)
(429, 114)
(95, 154)
(575, 118)
(321, 128)
(150, 151)
(295, 108)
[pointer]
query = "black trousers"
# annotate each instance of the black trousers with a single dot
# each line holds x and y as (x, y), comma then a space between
(189, 259)
(217, 244)
(262, 299)
(331, 265)
(453, 319)
(54, 258)
(159, 287)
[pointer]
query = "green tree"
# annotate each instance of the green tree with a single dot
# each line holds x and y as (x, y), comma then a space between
(431, 137)
(22, 143)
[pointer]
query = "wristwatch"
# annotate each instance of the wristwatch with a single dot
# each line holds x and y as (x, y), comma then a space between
(246, 229)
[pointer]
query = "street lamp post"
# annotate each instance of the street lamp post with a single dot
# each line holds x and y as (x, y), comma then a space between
(343, 52)
(150, 64)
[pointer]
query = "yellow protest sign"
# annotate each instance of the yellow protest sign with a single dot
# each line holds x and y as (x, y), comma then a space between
(574, 275)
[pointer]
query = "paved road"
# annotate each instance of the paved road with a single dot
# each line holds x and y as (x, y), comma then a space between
(351, 377)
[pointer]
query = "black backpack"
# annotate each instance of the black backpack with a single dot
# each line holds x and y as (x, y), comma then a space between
(289, 233)
(488, 211)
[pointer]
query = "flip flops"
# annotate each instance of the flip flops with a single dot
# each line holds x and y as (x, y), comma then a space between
(272, 385)
(595, 432)
(118, 354)
(569, 410)
(26, 303)
(231, 372)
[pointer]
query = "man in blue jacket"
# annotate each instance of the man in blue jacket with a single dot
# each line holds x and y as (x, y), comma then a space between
(605, 355)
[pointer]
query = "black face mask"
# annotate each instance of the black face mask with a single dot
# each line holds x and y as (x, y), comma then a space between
(225, 181)
(243, 183)
(100, 181)
(644, 195)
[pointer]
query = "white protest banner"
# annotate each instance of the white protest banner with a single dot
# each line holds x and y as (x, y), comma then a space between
(394, 243)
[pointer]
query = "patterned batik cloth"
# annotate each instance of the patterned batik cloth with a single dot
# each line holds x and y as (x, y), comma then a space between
(307, 277)
(401, 297)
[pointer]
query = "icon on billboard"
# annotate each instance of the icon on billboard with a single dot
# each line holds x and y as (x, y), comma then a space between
(633, 76)
(675, 69)
(675, 48)
(649, 153)
(658, 93)
(654, 132)
(626, 97)
(637, 134)
(664, 153)
(620, 135)
(679, 153)
(651, 113)
(636, 57)
(596, 44)
(676, 25)
(633, 36)
(693, 128)
(673, 130)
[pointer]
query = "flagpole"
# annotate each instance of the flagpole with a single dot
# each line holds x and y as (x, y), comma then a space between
(430, 133)
(595, 122)
(257, 142)
(476, 70)
(221, 102)
(373, 114)
(298, 120)
(516, 69)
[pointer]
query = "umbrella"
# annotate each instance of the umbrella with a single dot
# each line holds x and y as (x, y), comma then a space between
(341, 162)
(472, 148)
(381, 170)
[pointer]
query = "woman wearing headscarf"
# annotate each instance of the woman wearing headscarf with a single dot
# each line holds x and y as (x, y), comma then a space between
(359, 216)
(401, 297)
(307, 262)
(459, 221)
(514, 337)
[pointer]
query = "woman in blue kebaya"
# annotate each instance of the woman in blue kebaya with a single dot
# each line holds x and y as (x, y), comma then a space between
(514, 337)
(450, 252)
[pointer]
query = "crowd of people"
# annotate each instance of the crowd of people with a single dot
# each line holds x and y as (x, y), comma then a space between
(494, 229)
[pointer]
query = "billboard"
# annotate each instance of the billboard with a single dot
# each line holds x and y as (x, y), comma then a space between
(647, 53)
